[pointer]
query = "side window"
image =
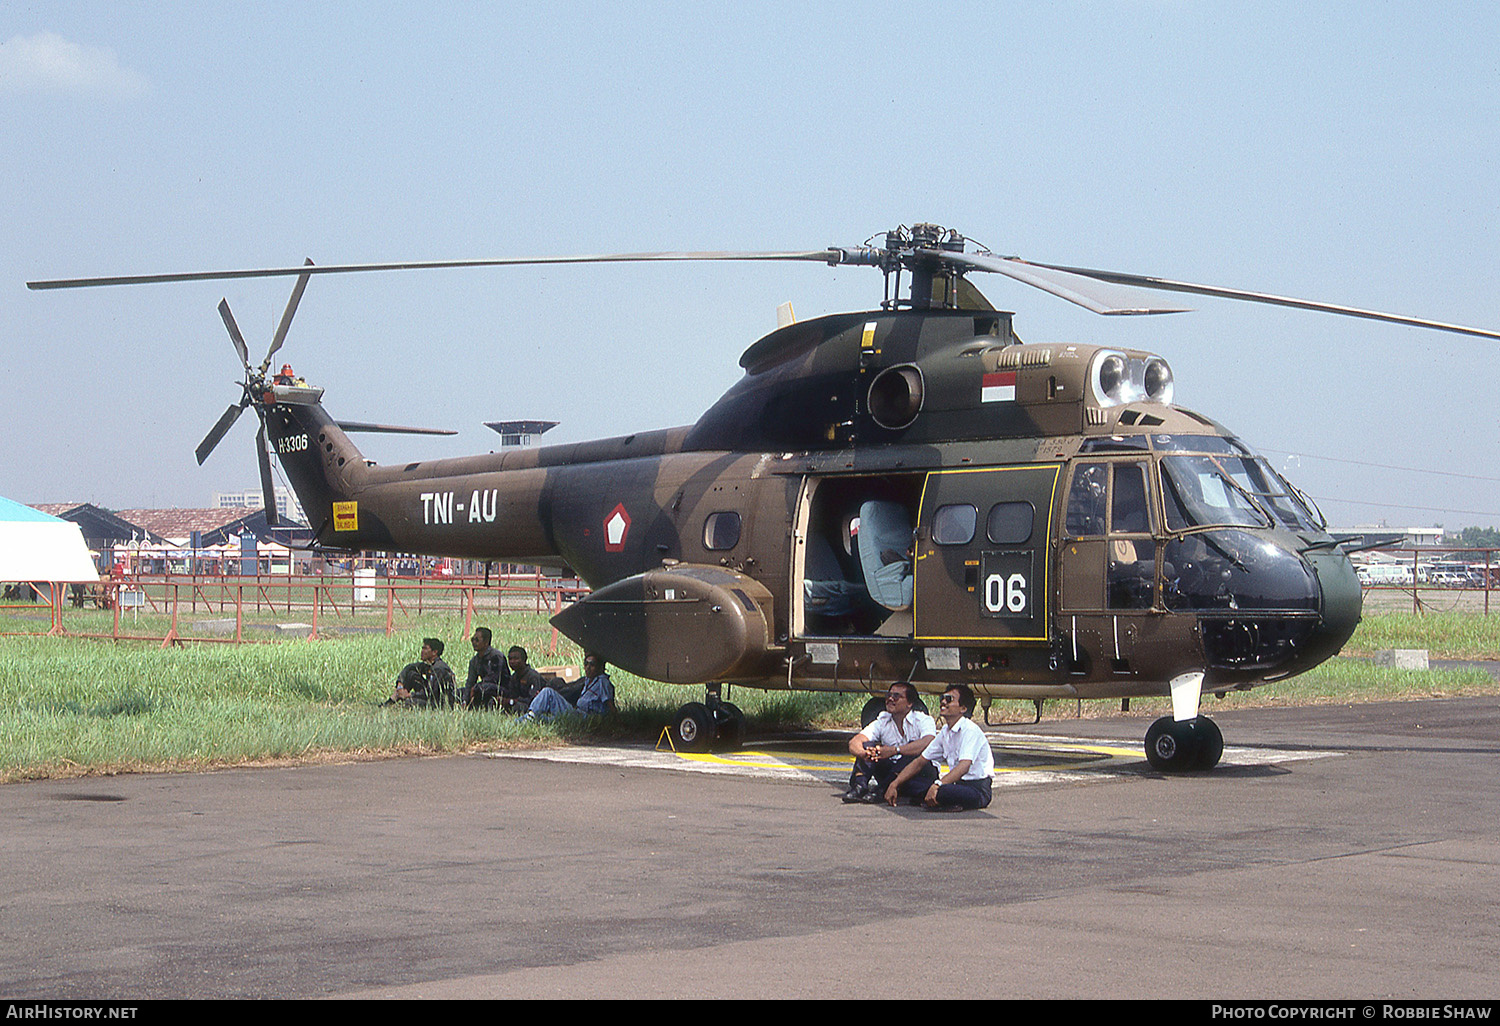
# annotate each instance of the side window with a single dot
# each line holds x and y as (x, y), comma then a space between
(954, 525)
(721, 531)
(1131, 575)
(1086, 499)
(1129, 511)
(1009, 523)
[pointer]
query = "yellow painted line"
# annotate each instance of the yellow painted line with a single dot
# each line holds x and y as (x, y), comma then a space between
(745, 759)
(789, 760)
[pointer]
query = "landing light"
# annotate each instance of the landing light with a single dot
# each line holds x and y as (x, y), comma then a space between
(1118, 379)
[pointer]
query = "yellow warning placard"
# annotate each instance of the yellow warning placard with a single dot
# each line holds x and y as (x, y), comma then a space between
(346, 516)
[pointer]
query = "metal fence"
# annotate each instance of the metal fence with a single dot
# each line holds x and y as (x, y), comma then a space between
(172, 608)
(234, 609)
(1429, 578)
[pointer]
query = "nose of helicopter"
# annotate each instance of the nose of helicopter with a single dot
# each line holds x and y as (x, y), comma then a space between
(1341, 605)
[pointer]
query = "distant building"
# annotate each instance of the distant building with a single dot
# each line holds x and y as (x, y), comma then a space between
(519, 432)
(214, 526)
(102, 529)
(287, 506)
(1379, 534)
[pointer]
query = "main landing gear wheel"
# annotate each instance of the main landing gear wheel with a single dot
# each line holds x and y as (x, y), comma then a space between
(704, 726)
(692, 728)
(1182, 746)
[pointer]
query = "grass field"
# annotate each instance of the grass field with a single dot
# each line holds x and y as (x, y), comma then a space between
(72, 706)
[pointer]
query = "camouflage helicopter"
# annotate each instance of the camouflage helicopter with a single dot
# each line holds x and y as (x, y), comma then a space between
(906, 493)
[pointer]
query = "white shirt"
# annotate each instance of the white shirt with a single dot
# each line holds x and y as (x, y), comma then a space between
(963, 741)
(884, 731)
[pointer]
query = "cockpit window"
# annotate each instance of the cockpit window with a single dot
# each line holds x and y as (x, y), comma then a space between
(1114, 443)
(1199, 443)
(1252, 473)
(1086, 506)
(1272, 491)
(1130, 514)
(1197, 492)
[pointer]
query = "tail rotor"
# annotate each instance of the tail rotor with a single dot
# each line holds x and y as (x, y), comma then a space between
(252, 386)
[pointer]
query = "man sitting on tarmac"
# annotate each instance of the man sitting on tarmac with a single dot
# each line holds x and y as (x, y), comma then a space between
(883, 748)
(963, 747)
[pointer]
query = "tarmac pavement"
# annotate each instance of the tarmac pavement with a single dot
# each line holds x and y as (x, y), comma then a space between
(1338, 852)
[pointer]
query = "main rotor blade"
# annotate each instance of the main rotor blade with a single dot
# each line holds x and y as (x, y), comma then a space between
(821, 256)
(234, 333)
(1168, 285)
(286, 317)
(1086, 292)
(267, 489)
(223, 424)
(390, 429)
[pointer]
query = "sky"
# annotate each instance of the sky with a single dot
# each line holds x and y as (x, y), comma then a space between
(1343, 152)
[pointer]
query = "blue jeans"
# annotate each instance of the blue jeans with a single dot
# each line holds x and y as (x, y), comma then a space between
(548, 703)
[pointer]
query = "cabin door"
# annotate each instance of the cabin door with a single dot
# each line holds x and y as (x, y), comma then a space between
(982, 569)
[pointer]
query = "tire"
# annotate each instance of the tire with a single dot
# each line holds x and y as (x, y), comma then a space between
(1211, 744)
(731, 727)
(1173, 747)
(693, 728)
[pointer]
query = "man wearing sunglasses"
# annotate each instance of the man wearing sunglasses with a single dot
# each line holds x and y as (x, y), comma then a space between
(963, 747)
(887, 743)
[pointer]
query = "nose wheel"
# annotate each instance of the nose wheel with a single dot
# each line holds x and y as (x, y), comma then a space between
(1182, 746)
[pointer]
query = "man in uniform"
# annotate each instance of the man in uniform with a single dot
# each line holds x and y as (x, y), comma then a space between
(488, 674)
(426, 682)
(522, 682)
(899, 734)
(963, 747)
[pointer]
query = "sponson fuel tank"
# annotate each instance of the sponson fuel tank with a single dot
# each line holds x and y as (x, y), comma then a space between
(681, 624)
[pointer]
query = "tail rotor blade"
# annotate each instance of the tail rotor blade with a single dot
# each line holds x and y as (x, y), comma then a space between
(286, 317)
(268, 491)
(215, 433)
(234, 333)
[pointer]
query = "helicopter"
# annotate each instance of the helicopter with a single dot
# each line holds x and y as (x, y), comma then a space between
(903, 493)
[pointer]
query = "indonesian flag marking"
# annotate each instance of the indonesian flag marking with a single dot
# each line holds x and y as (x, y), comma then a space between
(999, 387)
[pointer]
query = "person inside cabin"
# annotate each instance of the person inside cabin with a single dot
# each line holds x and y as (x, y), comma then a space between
(885, 745)
(962, 746)
(596, 697)
(488, 673)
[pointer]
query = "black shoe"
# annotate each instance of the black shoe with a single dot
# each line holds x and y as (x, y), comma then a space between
(856, 793)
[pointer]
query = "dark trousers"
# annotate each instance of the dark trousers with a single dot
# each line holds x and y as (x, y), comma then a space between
(482, 696)
(965, 794)
(884, 771)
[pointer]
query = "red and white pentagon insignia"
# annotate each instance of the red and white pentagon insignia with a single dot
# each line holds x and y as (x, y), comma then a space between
(616, 527)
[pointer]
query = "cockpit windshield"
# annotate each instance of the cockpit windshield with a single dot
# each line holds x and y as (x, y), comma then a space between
(1232, 458)
(1199, 493)
(1273, 492)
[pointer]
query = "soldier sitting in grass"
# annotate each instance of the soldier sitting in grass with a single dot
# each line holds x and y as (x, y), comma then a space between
(426, 682)
(524, 682)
